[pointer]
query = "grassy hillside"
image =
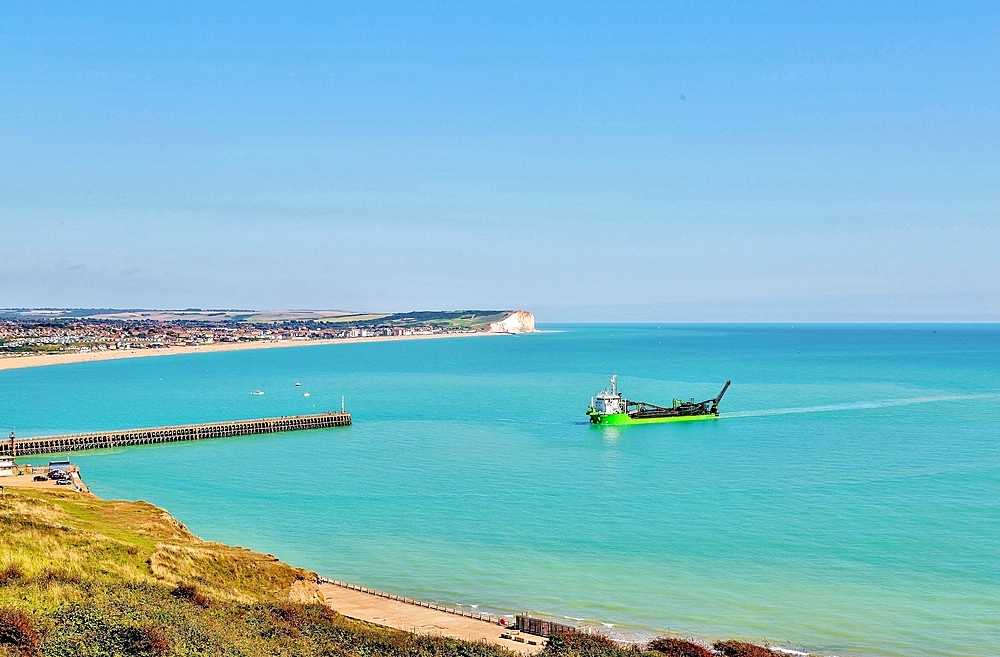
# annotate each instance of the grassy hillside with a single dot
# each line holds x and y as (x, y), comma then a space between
(83, 576)
(80, 576)
(475, 319)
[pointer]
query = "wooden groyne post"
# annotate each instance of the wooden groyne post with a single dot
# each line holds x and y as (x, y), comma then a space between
(108, 439)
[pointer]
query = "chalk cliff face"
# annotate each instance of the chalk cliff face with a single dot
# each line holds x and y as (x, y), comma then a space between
(518, 321)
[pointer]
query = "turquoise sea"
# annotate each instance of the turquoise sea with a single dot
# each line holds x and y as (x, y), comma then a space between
(847, 503)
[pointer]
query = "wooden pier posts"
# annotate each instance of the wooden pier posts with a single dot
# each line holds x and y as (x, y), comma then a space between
(107, 439)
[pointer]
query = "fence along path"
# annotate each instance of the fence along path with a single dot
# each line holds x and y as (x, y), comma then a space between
(538, 627)
(489, 618)
(108, 439)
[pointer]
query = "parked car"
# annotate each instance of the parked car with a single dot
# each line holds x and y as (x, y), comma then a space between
(64, 482)
(40, 478)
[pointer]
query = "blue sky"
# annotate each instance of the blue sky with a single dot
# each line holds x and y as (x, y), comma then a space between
(589, 161)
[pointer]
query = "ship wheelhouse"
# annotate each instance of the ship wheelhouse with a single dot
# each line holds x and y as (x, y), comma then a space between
(609, 401)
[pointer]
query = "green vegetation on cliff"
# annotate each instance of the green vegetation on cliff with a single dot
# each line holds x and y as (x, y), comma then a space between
(87, 577)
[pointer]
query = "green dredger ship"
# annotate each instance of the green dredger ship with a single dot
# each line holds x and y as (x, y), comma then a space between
(610, 407)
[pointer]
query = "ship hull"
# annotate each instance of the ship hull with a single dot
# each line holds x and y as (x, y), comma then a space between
(624, 418)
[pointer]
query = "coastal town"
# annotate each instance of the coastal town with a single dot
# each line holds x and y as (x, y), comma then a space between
(24, 333)
(85, 337)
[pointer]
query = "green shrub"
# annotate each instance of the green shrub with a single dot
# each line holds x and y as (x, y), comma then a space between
(578, 644)
(105, 631)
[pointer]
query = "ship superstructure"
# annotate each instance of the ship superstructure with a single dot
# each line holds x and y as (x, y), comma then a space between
(611, 407)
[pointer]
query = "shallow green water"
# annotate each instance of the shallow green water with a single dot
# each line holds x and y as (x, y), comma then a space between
(849, 503)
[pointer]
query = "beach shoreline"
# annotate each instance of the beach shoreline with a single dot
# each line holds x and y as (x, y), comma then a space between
(42, 360)
(394, 611)
(163, 580)
(360, 603)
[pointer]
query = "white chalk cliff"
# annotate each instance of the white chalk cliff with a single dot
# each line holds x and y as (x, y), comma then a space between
(519, 321)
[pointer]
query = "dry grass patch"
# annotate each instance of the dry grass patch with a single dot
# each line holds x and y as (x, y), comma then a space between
(674, 647)
(18, 632)
(224, 572)
(743, 649)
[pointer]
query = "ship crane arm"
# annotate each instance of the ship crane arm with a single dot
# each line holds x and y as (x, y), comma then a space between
(714, 403)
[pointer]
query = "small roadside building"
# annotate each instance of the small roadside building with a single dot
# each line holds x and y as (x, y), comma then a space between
(7, 467)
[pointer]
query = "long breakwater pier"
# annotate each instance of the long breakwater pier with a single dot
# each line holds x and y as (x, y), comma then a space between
(128, 437)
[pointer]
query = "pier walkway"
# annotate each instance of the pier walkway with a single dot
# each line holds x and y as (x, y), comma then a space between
(108, 439)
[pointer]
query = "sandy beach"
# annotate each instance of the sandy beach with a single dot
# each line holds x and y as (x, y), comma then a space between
(421, 620)
(40, 360)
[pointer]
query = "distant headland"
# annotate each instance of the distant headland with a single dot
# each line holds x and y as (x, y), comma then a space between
(50, 336)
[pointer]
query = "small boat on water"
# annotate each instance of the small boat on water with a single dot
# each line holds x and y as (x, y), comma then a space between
(610, 407)
(305, 394)
(257, 392)
(298, 384)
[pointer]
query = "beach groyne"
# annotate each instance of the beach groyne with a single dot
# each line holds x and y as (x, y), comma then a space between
(128, 437)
